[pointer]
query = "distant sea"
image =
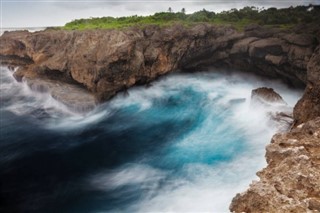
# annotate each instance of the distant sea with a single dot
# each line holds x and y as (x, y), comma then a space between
(30, 29)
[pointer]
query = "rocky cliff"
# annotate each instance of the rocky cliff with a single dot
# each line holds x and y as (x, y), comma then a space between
(308, 106)
(108, 61)
(291, 181)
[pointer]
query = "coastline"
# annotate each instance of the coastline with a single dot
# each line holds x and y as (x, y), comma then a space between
(147, 54)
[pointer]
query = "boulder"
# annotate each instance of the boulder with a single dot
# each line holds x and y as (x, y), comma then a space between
(266, 96)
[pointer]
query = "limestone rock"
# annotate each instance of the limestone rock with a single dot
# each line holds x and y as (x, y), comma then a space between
(308, 107)
(266, 96)
(290, 182)
(108, 61)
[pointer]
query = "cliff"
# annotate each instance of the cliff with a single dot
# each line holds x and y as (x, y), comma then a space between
(108, 61)
(290, 182)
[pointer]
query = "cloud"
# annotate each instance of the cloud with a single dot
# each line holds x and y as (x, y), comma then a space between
(85, 4)
(27, 13)
(143, 7)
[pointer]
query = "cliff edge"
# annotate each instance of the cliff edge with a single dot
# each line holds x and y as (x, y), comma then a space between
(108, 61)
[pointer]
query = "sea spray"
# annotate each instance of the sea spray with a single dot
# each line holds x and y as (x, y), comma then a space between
(181, 145)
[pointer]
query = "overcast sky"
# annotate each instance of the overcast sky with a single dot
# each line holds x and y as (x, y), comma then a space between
(37, 13)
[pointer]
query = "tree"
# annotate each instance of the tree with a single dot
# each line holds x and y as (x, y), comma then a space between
(169, 10)
(183, 10)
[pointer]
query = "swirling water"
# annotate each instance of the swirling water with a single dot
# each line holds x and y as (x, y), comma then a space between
(185, 144)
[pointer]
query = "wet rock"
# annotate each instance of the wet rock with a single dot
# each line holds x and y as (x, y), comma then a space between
(18, 75)
(75, 97)
(278, 111)
(266, 96)
(283, 121)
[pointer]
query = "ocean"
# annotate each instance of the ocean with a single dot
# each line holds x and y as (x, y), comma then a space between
(187, 143)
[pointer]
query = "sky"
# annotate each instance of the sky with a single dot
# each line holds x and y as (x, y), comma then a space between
(44, 13)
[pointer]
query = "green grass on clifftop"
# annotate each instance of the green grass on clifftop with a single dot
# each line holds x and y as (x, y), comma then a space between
(284, 18)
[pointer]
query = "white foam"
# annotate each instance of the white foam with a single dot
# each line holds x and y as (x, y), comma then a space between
(79, 121)
(202, 187)
(130, 174)
(24, 101)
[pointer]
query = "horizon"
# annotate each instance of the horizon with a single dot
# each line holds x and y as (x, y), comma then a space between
(41, 14)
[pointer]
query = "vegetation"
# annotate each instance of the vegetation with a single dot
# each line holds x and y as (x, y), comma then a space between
(286, 17)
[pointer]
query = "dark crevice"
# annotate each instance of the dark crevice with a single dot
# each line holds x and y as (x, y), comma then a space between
(15, 60)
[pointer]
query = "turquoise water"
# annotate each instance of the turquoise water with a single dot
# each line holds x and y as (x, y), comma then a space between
(185, 144)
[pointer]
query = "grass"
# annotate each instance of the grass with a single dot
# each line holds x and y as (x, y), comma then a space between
(282, 18)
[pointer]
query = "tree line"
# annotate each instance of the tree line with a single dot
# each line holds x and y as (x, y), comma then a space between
(246, 15)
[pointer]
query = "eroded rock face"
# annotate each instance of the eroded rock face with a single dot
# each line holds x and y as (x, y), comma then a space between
(276, 53)
(290, 182)
(108, 61)
(308, 107)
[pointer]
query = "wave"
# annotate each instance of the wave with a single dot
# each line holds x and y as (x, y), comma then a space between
(204, 168)
(188, 143)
